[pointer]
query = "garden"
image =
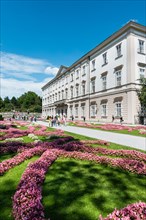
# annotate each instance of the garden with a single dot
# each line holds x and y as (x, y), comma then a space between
(139, 130)
(51, 174)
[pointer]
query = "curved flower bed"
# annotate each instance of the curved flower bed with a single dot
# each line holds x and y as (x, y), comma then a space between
(123, 163)
(135, 211)
(10, 163)
(13, 146)
(27, 199)
(79, 146)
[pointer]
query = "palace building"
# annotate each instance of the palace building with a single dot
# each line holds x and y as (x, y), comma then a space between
(103, 83)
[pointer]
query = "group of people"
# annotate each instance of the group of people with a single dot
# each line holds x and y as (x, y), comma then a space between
(56, 120)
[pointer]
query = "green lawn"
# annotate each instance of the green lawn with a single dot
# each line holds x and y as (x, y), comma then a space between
(8, 183)
(76, 190)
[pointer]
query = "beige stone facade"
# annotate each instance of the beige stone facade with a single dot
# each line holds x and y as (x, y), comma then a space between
(103, 83)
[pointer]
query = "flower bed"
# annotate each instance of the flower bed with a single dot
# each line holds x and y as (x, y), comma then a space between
(27, 199)
(135, 211)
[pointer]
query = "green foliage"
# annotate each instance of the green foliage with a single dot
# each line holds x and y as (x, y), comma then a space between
(29, 101)
(1, 118)
(142, 92)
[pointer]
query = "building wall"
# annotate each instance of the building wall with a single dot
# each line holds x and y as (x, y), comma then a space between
(93, 68)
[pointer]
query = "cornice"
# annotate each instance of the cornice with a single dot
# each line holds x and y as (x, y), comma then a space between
(128, 27)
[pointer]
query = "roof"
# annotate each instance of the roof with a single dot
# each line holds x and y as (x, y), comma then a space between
(118, 33)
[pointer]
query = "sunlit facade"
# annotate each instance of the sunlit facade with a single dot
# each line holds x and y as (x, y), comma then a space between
(102, 83)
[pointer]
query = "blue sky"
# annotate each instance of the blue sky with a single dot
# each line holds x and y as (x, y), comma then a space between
(37, 36)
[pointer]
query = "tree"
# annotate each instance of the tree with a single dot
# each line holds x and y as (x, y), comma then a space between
(1, 104)
(14, 103)
(29, 100)
(142, 93)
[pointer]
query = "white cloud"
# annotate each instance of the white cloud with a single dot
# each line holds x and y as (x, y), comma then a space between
(20, 74)
(22, 67)
(51, 70)
(12, 87)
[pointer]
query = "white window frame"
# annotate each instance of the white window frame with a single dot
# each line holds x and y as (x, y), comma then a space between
(62, 94)
(93, 86)
(83, 88)
(104, 82)
(141, 72)
(92, 110)
(141, 46)
(104, 58)
(66, 93)
(83, 110)
(84, 70)
(77, 90)
(93, 65)
(118, 77)
(76, 110)
(71, 92)
(119, 50)
(104, 110)
(77, 74)
(118, 109)
(71, 77)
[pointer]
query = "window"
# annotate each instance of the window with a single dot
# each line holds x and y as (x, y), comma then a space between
(103, 82)
(77, 90)
(118, 78)
(62, 94)
(77, 74)
(67, 80)
(104, 58)
(104, 110)
(93, 110)
(55, 96)
(59, 96)
(142, 72)
(83, 88)
(93, 65)
(118, 109)
(83, 110)
(76, 111)
(84, 70)
(93, 86)
(141, 46)
(118, 47)
(71, 92)
(71, 77)
(66, 93)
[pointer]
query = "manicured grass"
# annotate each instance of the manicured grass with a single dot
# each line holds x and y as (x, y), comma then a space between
(6, 156)
(8, 183)
(27, 139)
(78, 190)
(23, 128)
